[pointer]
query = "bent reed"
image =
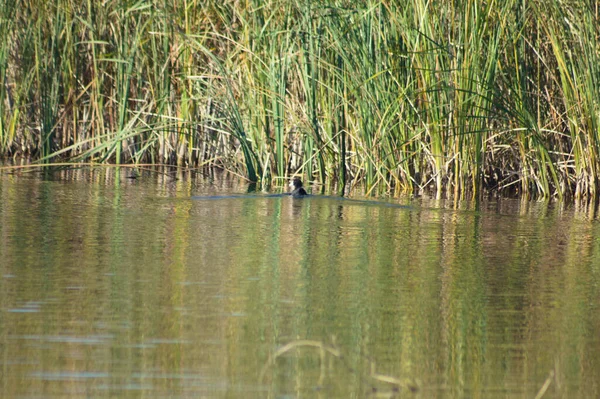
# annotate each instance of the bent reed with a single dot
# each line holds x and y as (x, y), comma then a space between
(459, 96)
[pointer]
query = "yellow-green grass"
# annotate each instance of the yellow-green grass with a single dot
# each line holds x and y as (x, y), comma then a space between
(460, 97)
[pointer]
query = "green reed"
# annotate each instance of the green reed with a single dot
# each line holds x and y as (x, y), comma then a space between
(7, 126)
(573, 36)
(453, 96)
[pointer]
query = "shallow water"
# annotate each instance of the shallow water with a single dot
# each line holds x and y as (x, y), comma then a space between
(156, 288)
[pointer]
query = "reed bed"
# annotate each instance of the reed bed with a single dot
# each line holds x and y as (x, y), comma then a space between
(456, 96)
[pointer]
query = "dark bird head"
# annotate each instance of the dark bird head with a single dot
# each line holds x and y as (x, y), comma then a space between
(296, 183)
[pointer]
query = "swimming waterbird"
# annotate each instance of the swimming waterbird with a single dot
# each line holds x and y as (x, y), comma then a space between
(298, 191)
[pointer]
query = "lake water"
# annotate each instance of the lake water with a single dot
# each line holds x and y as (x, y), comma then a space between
(192, 288)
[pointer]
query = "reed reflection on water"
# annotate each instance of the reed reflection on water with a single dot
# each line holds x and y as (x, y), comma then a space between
(125, 288)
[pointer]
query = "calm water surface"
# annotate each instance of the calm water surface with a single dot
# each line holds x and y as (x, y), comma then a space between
(156, 288)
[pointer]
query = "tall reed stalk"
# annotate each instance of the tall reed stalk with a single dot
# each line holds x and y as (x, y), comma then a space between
(8, 113)
(453, 96)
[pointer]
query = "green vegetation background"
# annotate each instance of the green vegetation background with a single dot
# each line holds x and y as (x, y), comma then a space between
(460, 96)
